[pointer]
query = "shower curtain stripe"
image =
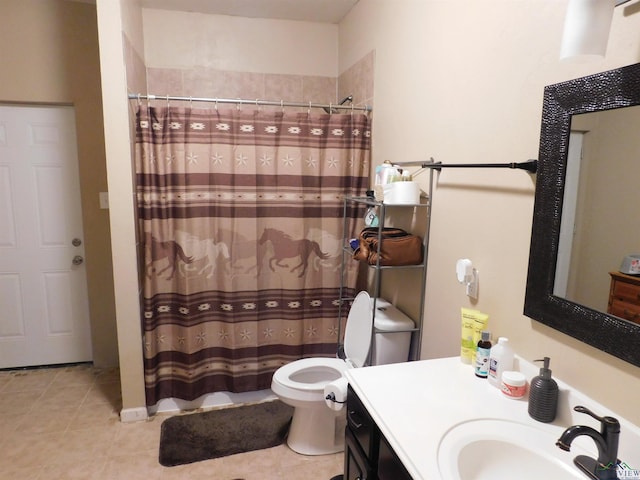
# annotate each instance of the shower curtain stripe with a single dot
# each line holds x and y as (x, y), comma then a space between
(281, 129)
(197, 309)
(240, 221)
(189, 180)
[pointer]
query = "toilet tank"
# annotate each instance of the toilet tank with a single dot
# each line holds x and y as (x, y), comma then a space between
(392, 347)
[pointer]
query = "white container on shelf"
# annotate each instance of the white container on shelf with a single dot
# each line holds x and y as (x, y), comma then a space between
(401, 193)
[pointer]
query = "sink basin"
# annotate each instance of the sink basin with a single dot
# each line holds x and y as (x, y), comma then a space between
(488, 449)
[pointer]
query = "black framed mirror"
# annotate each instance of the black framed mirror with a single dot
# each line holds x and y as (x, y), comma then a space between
(619, 88)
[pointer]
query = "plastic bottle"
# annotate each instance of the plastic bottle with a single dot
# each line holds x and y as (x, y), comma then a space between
(543, 395)
(384, 172)
(500, 359)
(482, 355)
(370, 216)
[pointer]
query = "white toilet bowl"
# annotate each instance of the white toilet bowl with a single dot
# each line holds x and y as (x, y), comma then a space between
(315, 428)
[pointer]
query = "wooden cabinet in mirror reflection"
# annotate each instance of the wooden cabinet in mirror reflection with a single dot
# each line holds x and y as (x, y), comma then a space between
(624, 296)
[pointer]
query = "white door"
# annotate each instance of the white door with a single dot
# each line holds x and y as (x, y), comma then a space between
(569, 206)
(44, 311)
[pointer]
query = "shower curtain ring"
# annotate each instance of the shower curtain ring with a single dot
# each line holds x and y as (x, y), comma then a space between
(216, 105)
(282, 105)
(257, 105)
(238, 104)
(190, 102)
(309, 109)
(330, 108)
(139, 102)
(167, 101)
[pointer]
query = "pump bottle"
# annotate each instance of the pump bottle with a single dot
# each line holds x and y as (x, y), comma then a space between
(543, 395)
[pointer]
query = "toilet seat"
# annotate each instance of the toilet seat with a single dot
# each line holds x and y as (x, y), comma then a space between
(357, 334)
(305, 379)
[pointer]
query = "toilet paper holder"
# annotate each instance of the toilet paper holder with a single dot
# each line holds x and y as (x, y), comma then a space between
(332, 398)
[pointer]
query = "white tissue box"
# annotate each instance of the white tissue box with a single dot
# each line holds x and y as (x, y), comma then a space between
(401, 193)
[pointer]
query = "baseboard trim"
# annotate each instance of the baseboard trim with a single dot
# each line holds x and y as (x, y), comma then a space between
(130, 415)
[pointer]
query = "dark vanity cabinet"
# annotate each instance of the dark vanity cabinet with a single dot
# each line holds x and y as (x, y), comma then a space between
(367, 454)
(389, 465)
(362, 439)
(356, 464)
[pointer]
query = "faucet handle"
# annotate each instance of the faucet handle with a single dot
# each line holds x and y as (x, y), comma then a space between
(581, 409)
(610, 423)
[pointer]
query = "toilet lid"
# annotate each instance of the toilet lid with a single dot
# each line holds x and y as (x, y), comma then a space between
(357, 334)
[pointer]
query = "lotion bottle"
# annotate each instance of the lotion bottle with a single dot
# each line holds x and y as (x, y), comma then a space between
(500, 359)
(543, 395)
(482, 355)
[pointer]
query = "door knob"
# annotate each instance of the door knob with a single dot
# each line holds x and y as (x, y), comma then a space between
(77, 260)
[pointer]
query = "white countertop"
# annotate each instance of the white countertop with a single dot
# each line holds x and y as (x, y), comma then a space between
(415, 403)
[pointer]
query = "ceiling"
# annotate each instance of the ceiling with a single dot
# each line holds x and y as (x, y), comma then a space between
(324, 11)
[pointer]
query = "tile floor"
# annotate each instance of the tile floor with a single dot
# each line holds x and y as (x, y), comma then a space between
(62, 423)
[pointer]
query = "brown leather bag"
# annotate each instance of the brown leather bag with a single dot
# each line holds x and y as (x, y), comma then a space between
(397, 247)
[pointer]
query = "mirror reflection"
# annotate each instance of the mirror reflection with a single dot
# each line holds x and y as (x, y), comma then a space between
(608, 174)
(600, 223)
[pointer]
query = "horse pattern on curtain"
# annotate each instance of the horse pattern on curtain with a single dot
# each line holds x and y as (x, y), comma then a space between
(240, 223)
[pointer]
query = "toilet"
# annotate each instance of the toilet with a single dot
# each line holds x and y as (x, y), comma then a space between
(315, 428)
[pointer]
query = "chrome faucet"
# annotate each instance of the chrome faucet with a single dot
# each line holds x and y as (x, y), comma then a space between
(605, 467)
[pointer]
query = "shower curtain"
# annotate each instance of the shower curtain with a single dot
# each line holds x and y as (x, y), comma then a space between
(240, 225)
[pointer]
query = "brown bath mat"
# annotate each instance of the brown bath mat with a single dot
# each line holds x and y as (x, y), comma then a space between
(217, 433)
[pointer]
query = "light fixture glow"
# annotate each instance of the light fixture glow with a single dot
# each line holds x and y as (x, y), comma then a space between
(586, 28)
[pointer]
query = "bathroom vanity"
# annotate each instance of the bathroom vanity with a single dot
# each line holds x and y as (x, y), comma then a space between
(434, 419)
(368, 454)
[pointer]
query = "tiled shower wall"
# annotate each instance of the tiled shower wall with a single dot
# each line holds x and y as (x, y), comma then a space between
(208, 82)
(357, 80)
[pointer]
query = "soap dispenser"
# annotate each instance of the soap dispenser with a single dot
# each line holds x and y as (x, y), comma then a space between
(543, 395)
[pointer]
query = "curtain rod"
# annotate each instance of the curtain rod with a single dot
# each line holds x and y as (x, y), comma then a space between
(531, 165)
(238, 101)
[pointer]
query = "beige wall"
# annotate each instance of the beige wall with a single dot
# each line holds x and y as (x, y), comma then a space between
(184, 40)
(50, 55)
(113, 18)
(462, 81)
